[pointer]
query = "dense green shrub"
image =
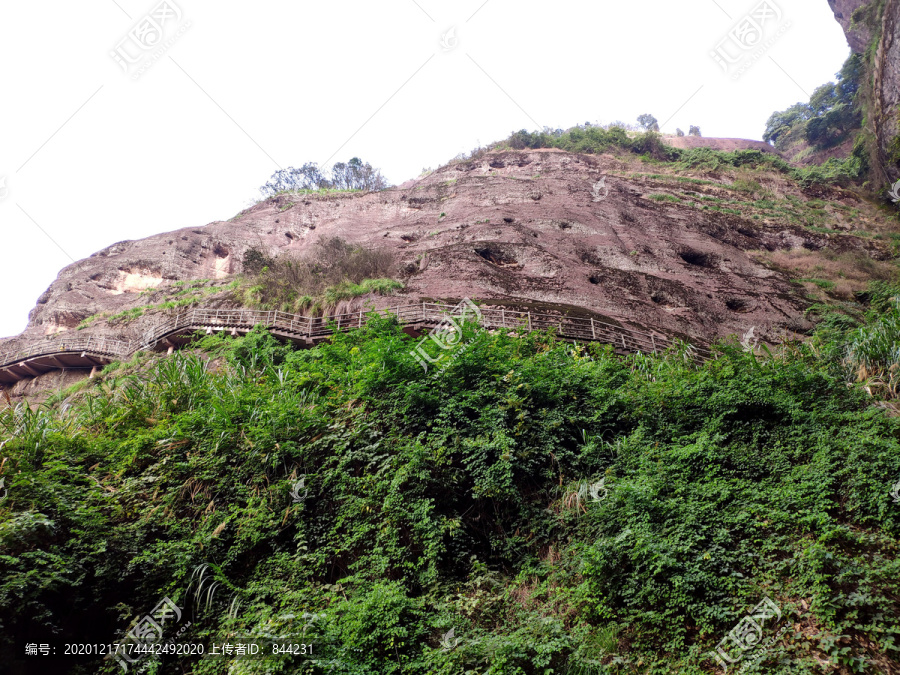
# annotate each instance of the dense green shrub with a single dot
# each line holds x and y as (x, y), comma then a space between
(461, 499)
(350, 176)
(255, 260)
(832, 112)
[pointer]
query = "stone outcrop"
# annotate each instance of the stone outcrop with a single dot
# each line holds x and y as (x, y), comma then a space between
(539, 229)
(879, 21)
(858, 32)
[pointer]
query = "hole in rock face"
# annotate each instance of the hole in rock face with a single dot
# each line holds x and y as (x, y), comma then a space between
(509, 220)
(220, 251)
(565, 226)
(737, 304)
(496, 255)
(697, 258)
(289, 236)
(595, 279)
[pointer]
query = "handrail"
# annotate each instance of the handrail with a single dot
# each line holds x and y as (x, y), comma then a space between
(59, 346)
(578, 328)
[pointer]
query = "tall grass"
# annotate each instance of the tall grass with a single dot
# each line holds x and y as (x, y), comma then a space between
(873, 352)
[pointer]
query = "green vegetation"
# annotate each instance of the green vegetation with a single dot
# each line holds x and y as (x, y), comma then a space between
(352, 176)
(592, 139)
(347, 289)
(832, 113)
(189, 292)
(469, 502)
(665, 198)
(671, 178)
(821, 283)
(595, 139)
(333, 271)
(709, 160)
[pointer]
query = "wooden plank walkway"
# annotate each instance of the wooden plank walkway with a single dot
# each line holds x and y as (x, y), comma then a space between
(72, 352)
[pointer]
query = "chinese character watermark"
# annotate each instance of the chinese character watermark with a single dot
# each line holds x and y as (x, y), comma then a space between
(893, 193)
(34, 649)
(297, 487)
(447, 335)
(599, 190)
(749, 341)
(449, 40)
(746, 635)
(148, 631)
(449, 641)
(750, 39)
(598, 487)
(310, 619)
(149, 39)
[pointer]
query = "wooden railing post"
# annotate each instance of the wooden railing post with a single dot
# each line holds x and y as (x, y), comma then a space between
(529, 320)
(593, 330)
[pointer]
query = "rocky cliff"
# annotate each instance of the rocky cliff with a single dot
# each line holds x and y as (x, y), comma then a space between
(645, 246)
(698, 251)
(873, 29)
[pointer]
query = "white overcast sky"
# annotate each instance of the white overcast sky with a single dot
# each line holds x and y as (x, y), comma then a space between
(91, 157)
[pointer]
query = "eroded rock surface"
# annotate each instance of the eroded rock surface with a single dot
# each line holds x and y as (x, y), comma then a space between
(863, 21)
(539, 229)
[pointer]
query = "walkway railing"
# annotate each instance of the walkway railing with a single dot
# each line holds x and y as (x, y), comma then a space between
(297, 326)
(65, 345)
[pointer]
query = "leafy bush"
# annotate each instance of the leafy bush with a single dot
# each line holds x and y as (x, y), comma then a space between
(459, 502)
(832, 172)
(333, 271)
(592, 139)
(832, 113)
(255, 260)
(354, 175)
